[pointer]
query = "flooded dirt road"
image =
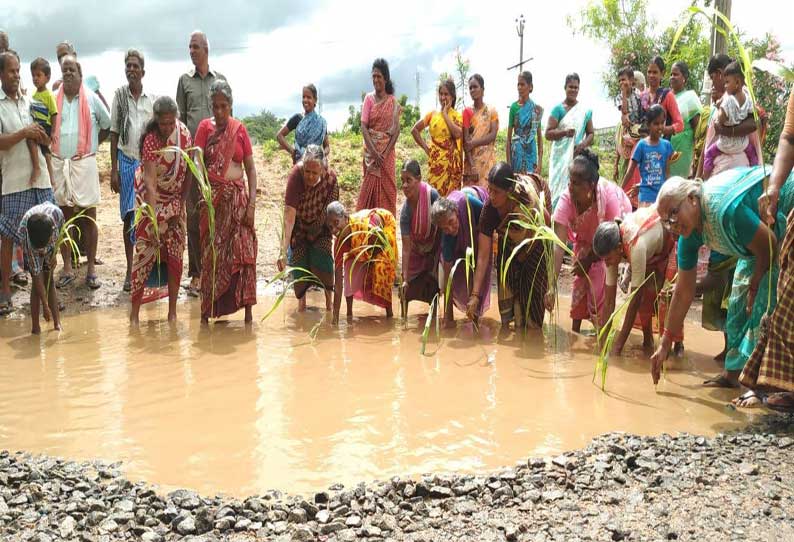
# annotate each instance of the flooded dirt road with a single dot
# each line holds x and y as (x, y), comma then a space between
(240, 410)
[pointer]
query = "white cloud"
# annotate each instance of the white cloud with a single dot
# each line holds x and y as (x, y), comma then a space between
(337, 42)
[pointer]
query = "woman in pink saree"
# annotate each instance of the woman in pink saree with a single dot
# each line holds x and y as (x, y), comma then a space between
(588, 201)
(380, 127)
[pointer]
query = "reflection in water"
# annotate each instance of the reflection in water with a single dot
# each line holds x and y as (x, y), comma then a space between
(240, 410)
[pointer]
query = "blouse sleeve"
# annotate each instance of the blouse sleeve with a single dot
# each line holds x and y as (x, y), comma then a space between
(788, 128)
(468, 113)
(558, 112)
(294, 189)
(202, 133)
(688, 251)
(489, 220)
(366, 108)
(564, 210)
(405, 219)
(293, 121)
(148, 154)
(428, 118)
(671, 108)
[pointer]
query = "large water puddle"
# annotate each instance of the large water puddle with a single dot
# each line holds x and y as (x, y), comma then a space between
(239, 411)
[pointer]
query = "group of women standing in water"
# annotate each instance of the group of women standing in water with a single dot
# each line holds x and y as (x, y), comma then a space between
(467, 200)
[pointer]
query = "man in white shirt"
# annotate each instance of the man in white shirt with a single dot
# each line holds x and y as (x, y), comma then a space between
(131, 110)
(19, 193)
(82, 124)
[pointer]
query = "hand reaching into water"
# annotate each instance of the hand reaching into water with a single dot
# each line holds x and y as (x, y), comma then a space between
(658, 359)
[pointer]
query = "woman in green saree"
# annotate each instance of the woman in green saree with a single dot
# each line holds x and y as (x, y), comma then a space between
(723, 214)
(689, 106)
(570, 129)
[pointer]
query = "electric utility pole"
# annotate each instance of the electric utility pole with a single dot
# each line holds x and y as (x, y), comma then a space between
(520, 32)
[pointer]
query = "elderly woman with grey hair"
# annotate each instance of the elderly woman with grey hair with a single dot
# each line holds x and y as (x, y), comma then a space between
(365, 257)
(307, 243)
(723, 214)
(228, 259)
(457, 217)
(162, 184)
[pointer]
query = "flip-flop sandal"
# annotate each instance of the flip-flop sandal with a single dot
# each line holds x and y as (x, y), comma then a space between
(64, 281)
(20, 279)
(749, 399)
(92, 282)
(787, 407)
(127, 286)
(719, 381)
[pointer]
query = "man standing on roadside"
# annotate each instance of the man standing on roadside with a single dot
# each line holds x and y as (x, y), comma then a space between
(193, 100)
(83, 123)
(131, 110)
(19, 193)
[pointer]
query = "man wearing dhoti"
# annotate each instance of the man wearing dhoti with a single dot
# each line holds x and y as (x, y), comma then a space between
(83, 123)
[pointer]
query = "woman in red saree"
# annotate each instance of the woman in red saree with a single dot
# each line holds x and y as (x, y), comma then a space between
(380, 127)
(161, 183)
(229, 284)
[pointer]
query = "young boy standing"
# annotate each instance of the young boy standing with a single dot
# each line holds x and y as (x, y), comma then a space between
(629, 104)
(38, 233)
(43, 110)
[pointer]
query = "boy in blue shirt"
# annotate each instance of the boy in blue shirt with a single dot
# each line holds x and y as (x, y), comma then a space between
(652, 156)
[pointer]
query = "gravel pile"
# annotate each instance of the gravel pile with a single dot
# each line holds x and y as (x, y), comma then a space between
(737, 486)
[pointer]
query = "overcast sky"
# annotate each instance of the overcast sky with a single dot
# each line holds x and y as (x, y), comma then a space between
(269, 49)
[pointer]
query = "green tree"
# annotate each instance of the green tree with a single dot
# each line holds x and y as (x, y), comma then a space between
(353, 122)
(462, 66)
(410, 114)
(264, 126)
(633, 39)
(771, 92)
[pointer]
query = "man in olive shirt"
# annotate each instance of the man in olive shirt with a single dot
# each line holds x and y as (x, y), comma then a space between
(193, 99)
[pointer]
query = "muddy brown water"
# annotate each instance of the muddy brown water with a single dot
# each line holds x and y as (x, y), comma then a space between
(241, 410)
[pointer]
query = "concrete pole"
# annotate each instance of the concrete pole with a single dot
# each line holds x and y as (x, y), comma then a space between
(719, 44)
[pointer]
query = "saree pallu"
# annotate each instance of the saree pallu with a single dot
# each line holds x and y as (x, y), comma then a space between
(662, 267)
(425, 244)
(721, 195)
(480, 160)
(523, 145)
(379, 187)
(771, 363)
(229, 284)
(467, 239)
(368, 256)
(311, 246)
(562, 149)
(155, 260)
(689, 106)
(522, 293)
(445, 163)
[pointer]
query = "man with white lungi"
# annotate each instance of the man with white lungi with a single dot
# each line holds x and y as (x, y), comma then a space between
(83, 123)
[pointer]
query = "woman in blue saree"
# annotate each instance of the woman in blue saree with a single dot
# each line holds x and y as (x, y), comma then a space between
(310, 128)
